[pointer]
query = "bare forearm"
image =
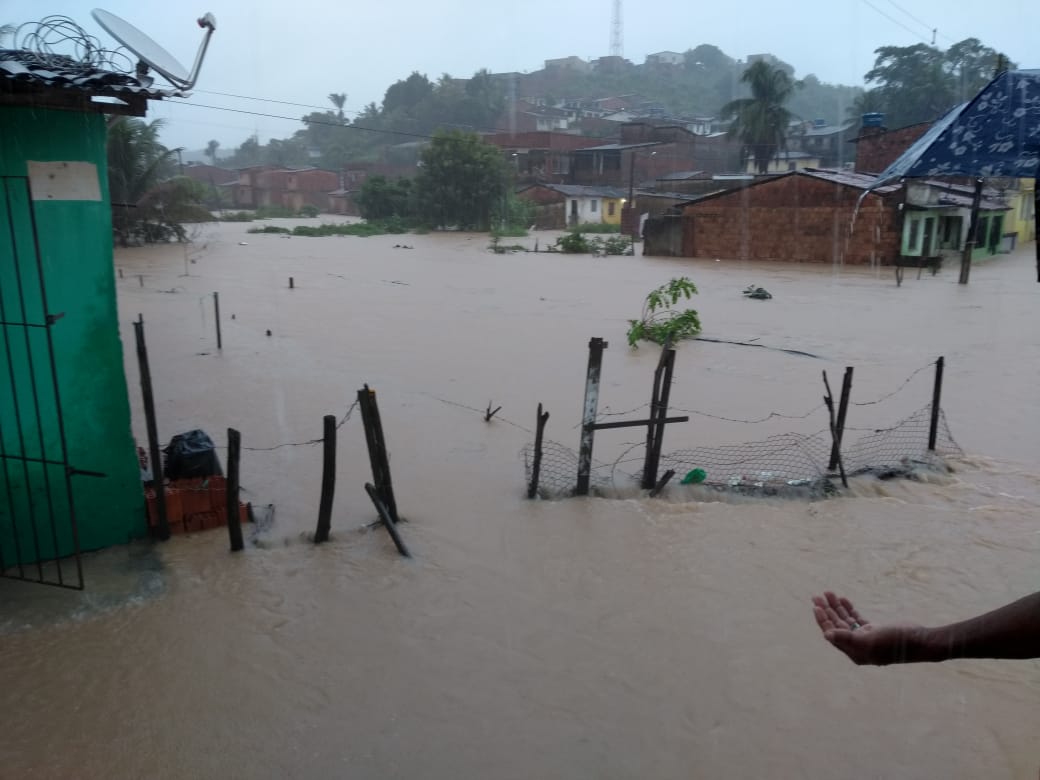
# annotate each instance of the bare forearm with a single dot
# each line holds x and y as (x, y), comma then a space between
(1012, 631)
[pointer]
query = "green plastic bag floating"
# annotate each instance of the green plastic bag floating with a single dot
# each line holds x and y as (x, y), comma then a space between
(694, 477)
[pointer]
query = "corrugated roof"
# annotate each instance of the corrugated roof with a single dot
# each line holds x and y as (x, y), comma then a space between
(617, 147)
(22, 70)
(585, 190)
(830, 129)
(861, 181)
(858, 181)
(680, 175)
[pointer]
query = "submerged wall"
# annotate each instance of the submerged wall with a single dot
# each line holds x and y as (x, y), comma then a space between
(55, 225)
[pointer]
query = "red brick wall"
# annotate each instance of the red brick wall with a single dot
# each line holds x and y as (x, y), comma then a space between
(797, 218)
(877, 151)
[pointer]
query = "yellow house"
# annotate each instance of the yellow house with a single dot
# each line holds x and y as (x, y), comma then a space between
(1020, 197)
(612, 210)
(785, 162)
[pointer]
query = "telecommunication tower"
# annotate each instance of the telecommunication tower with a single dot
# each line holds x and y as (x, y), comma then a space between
(617, 48)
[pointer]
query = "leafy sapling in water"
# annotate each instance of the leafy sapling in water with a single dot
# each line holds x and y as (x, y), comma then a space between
(661, 322)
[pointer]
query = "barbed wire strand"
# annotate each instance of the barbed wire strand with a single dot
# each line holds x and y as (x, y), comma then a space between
(310, 442)
(898, 389)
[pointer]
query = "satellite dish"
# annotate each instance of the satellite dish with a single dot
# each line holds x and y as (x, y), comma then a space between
(151, 53)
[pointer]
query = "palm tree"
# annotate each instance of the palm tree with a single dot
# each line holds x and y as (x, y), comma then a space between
(211, 151)
(761, 121)
(338, 99)
(137, 163)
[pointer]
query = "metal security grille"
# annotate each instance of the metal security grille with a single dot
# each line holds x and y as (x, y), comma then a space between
(38, 537)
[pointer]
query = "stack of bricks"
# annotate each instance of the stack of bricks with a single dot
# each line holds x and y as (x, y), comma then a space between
(193, 505)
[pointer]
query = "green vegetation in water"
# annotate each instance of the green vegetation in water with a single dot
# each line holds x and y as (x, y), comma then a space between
(269, 229)
(578, 244)
(662, 323)
(363, 229)
(499, 248)
(596, 227)
(236, 216)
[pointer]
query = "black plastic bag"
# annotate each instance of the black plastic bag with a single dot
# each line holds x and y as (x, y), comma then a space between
(191, 454)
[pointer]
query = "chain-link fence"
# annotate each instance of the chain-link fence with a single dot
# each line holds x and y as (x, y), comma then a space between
(783, 464)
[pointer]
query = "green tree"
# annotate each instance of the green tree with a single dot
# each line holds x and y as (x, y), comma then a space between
(382, 199)
(460, 181)
(211, 151)
(249, 152)
(912, 82)
(407, 93)
(145, 205)
(971, 65)
(761, 121)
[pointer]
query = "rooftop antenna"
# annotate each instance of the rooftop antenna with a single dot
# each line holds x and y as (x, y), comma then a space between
(152, 54)
(617, 48)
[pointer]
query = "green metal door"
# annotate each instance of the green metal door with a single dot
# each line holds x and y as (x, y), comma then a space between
(38, 537)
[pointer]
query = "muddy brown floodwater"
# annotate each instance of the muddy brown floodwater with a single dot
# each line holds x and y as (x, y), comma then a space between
(585, 638)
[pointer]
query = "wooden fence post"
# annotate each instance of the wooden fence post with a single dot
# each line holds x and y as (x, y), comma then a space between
(829, 400)
(658, 414)
(152, 429)
(388, 521)
(216, 317)
(843, 407)
(377, 454)
(328, 481)
(234, 522)
(536, 464)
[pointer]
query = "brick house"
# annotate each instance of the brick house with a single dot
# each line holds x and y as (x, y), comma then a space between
(877, 147)
(801, 216)
(540, 156)
(309, 187)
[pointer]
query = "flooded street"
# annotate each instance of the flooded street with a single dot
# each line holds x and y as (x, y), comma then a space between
(581, 638)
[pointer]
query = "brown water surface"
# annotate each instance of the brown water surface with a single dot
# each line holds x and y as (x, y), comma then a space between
(606, 638)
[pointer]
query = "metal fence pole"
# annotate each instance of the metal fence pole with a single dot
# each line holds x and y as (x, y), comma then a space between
(933, 428)
(589, 408)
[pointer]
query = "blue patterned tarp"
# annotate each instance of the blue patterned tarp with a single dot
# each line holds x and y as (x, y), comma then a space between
(995, 134)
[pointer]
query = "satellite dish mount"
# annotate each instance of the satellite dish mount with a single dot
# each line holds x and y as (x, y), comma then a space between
(152, 54)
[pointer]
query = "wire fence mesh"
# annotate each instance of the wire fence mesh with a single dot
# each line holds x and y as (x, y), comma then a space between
(792, 464)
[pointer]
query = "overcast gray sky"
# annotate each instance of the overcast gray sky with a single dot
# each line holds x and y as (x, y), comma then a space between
(301, 50)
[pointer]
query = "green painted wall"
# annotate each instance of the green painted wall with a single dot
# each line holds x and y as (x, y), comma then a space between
(75, 247)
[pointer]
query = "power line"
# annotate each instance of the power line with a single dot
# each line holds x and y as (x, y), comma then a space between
(472, 128)
(269, 100)
(932, 28)
(896, 21)
(310, 122)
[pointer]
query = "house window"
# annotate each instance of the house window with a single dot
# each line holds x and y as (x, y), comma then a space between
(915, 234)
(611, 206)
(561, 164)
(593, 205)
(790, 166)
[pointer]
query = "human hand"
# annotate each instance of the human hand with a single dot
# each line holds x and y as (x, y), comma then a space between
(865, 642)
